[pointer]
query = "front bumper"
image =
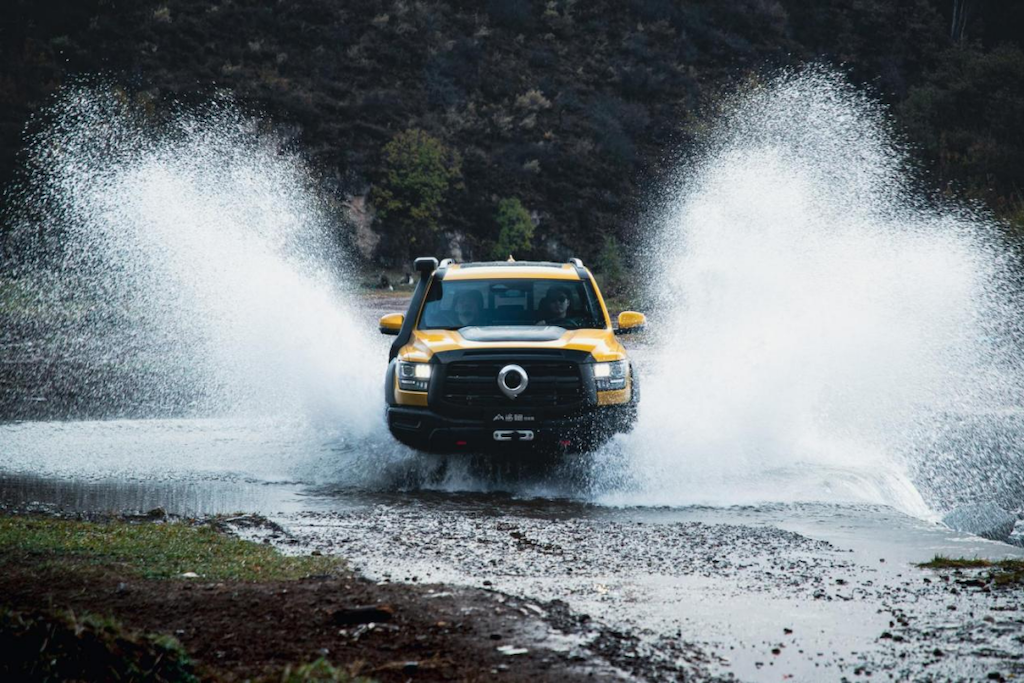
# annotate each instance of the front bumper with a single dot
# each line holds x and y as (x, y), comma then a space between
(426, 430)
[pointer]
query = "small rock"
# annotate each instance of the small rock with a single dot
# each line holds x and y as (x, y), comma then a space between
(937, 652)
(511, 650)
(190, 575)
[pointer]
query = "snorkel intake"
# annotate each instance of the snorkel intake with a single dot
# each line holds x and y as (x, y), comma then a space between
(425, 266)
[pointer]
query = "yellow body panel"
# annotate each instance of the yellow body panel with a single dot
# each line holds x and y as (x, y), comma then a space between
(611, 398)
(409, 398)
(601, 344)
(564, 272)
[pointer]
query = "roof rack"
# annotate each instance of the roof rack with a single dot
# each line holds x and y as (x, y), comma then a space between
(576, 262)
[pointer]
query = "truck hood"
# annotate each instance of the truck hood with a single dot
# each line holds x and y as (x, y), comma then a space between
(601, 344)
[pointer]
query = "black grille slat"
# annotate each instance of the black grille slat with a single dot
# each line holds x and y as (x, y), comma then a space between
(475, 384)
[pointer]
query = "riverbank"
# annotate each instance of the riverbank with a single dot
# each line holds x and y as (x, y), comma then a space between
(753, 593)
(234, 610)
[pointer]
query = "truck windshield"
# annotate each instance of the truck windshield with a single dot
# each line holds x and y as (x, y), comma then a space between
(571, 304)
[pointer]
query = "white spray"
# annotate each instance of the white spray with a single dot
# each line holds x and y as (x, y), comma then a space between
(819, 326)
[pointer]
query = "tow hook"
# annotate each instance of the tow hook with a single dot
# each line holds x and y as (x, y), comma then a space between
(513, 435)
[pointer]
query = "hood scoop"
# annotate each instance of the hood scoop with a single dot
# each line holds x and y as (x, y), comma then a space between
(512, 333)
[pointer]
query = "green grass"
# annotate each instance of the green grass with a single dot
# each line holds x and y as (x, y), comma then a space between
(150, 550)
(1004, 572)
(315, 672)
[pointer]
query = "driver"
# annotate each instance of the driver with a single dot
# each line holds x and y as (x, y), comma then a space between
(469, 306)
(554, 307)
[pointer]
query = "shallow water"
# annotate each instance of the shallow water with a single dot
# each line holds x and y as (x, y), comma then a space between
(728, 579)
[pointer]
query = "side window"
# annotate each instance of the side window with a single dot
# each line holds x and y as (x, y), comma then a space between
(593, 305)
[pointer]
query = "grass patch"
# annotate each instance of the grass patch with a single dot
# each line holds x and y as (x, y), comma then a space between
(150, 550)
(315, 672)
(1003, 572)
(943, 562)
(62, 645)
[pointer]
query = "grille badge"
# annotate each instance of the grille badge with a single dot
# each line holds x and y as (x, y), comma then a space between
(512, 380)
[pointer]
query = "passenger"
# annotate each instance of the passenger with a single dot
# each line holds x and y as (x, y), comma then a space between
(469, 307)
(554, 307)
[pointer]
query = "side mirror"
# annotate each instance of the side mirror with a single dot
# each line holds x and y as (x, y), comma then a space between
(391, 324)
(630, 322)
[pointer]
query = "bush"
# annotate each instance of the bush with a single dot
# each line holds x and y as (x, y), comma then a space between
(418, 172)
(515, 229)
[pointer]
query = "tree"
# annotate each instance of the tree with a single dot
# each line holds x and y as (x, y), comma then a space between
(515, 229)
(609, 265)
(418, 172)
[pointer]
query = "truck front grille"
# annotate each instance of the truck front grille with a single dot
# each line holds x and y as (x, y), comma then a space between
(475, 384)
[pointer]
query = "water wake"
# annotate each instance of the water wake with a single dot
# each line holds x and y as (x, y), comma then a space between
(824, 328)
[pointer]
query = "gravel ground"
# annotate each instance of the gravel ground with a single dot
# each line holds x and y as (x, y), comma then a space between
(704, 598)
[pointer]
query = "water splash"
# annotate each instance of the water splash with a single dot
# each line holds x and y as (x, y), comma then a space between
(196, 248)
(824, 328)
(828, 333)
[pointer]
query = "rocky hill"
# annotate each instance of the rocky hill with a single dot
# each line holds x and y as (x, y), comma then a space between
(576, 109)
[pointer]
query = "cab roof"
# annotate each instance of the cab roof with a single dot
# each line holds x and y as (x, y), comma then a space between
(483, 270)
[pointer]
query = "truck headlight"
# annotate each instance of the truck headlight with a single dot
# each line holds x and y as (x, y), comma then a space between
(611, 376)
(413, 376)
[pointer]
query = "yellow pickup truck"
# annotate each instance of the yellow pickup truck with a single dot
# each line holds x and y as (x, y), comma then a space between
(508, 355)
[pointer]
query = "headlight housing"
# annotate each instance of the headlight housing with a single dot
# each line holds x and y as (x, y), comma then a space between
(413, 376)
(611, 376)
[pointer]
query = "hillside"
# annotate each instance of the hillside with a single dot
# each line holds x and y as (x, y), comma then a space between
(577, 109)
